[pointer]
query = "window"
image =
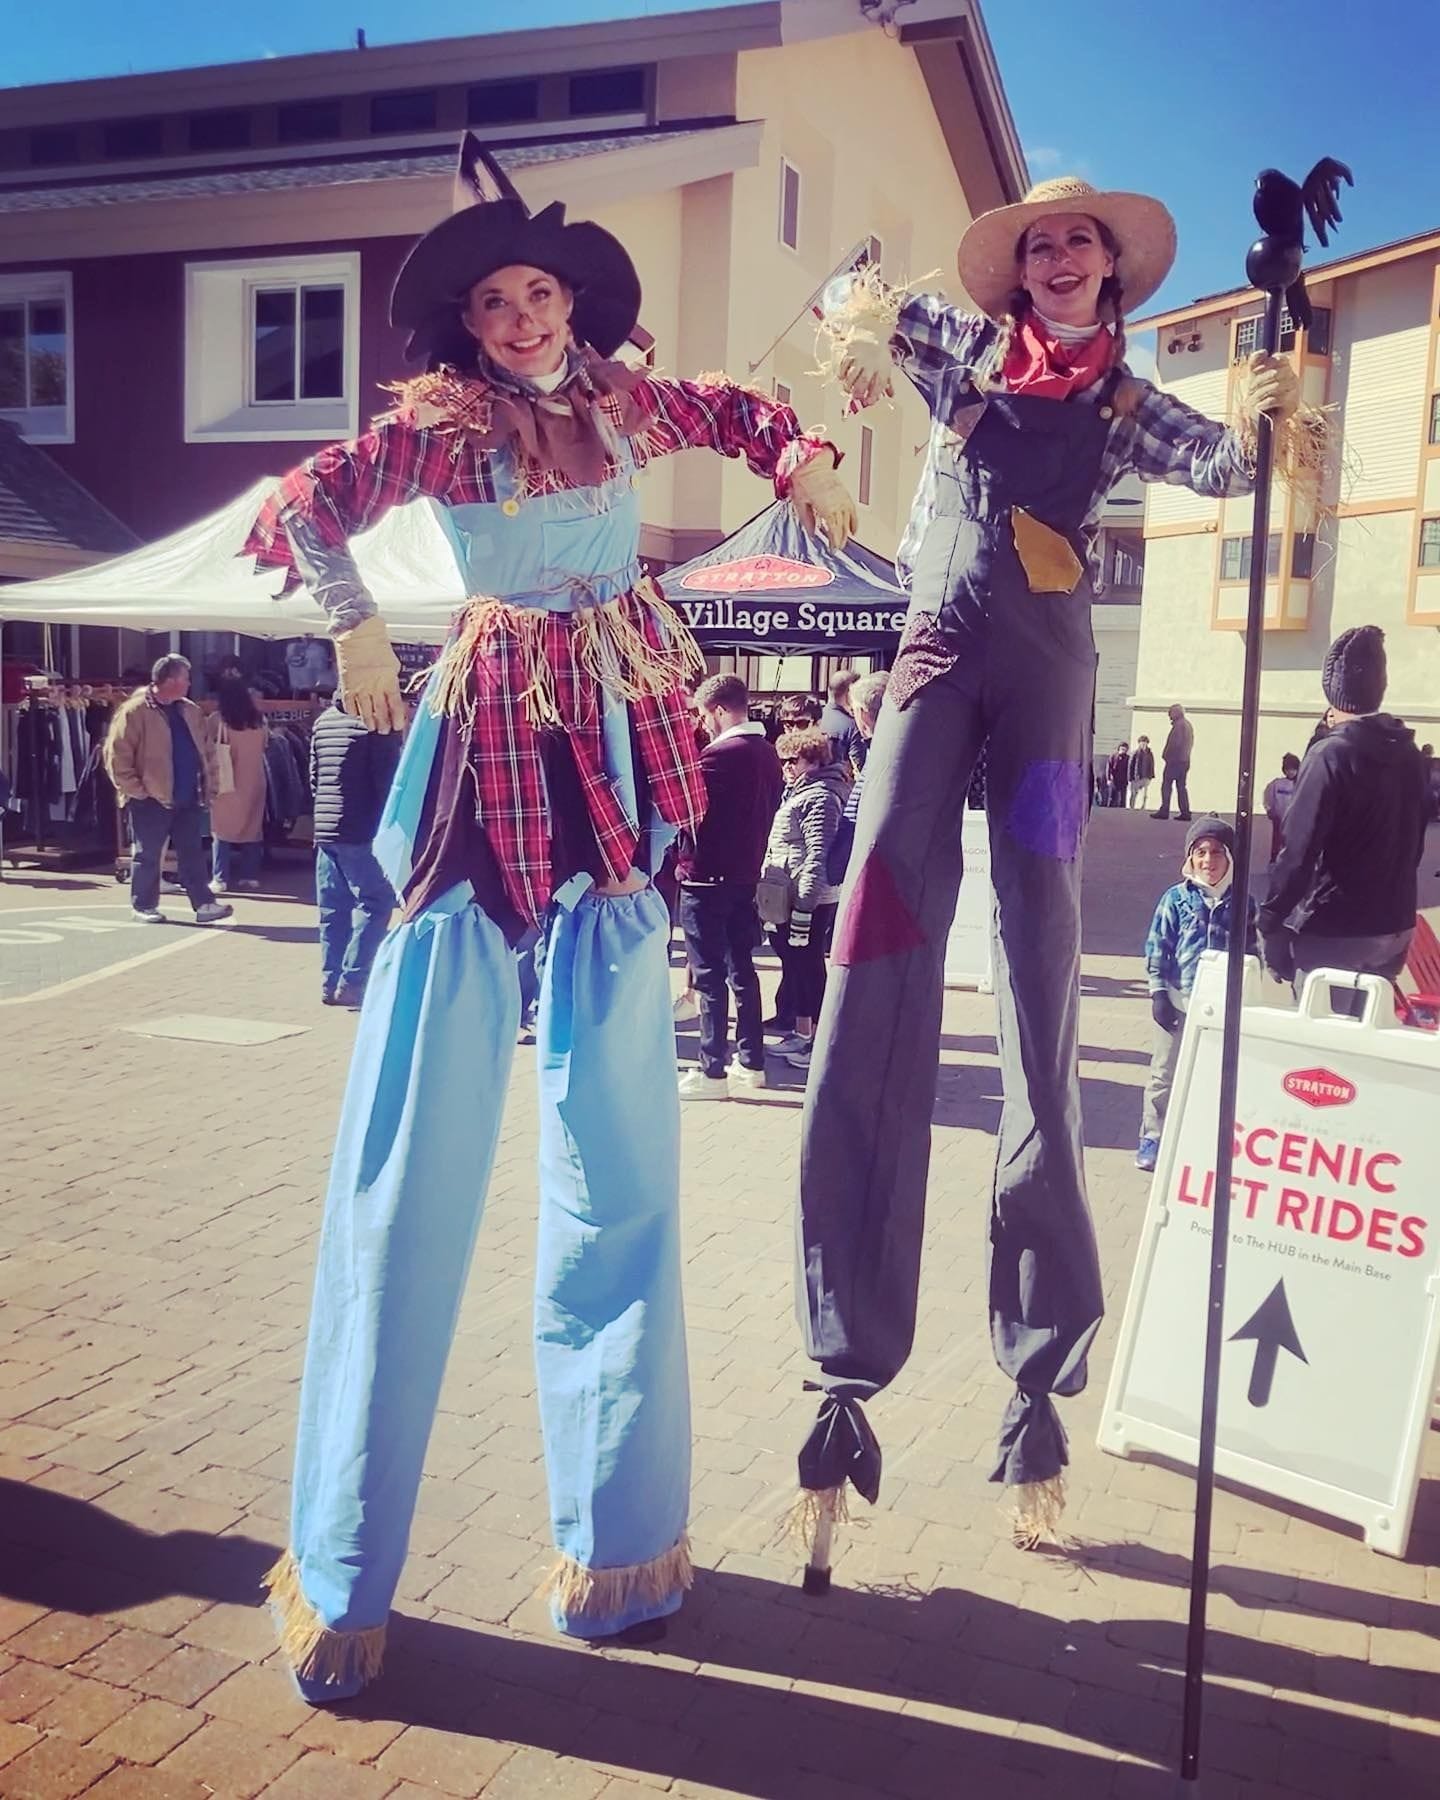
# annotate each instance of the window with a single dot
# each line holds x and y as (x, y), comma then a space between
(789, 205)
(1248, 334)
(228, 130)
(272, 349)
(35, 354)
(134, 137)
(1435, 418)
(1302, 555)
(503, 103)
(782, 392)
(1126, 569)
(871, 251)
(54, 144)
(297, 344)
(403, 112)
(1235, 557)
(1430, 543)
(607, 91)
(867, 462)
(307, 121)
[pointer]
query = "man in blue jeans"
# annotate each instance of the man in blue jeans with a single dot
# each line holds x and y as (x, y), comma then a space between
(351, 768)
(161, 758)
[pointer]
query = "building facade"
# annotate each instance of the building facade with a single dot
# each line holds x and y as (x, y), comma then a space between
(196, 265)
(1372, 358)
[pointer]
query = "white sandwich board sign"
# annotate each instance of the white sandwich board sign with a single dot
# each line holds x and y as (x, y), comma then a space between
(969, 960)
(1332, 1307)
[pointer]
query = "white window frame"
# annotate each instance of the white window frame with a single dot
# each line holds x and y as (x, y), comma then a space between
(789, 168)
(874, 251)
(219, 313)
(865, 471)
(46, 424)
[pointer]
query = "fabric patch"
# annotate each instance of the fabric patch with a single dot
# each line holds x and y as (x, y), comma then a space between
(876, 921)
(1047, 814)
(923, 655)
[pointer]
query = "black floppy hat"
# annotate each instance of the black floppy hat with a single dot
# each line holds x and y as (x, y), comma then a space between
(493, 228)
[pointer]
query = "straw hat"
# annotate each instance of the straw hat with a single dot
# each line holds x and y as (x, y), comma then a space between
(1143, 229)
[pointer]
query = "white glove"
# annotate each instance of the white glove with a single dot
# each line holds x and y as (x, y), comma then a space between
(1270, 386)
(370, 675)
(867, 369)
(820, 498)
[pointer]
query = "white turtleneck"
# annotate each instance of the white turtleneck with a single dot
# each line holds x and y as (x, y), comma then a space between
(547, 384)
(1069, 334)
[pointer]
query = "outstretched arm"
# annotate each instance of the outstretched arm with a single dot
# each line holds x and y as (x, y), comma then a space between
(1173, 443)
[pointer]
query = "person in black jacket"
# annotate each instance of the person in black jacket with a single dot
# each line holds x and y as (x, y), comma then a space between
(718, 870)
(351, 768)
(1344, 891)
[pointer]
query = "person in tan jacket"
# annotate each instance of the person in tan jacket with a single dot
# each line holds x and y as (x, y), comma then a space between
(162, 761)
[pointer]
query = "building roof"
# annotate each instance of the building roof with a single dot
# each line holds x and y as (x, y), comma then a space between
(41, 504)
(386, 165)
(1398, 250)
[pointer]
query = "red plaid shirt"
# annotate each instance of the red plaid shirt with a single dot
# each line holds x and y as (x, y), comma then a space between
(347, 487)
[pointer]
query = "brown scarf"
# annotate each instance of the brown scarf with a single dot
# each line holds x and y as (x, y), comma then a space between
(561, 437)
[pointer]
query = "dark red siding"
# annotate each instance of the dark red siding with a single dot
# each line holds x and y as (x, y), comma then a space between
(129, 369)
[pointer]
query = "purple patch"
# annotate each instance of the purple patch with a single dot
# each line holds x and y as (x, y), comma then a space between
(1047, 814)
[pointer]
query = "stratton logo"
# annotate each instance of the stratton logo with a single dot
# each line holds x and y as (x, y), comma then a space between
(759, 574)
(1319, 1087)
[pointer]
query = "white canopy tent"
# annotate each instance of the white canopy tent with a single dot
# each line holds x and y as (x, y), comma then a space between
(196, 580)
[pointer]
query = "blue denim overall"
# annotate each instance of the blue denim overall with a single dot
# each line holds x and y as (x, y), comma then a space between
(1012, 671)
(416, 1145)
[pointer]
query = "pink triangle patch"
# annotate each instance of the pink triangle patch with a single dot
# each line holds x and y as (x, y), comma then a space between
(876, 921)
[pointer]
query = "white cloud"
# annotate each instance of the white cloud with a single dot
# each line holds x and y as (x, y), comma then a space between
(1041, 157)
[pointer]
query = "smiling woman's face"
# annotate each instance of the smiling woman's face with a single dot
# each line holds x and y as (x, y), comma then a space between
(1063, 265)
(521, 319)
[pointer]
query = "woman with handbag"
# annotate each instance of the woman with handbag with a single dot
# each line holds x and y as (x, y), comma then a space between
(800, 839)
(237, 813)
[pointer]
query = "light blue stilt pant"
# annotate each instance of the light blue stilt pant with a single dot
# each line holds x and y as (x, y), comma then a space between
(416, 1145)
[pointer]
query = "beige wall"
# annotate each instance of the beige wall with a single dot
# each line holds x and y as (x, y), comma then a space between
(854, 116)
(1362, 562)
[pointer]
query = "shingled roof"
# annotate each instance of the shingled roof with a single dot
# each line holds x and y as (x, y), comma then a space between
(41, 504)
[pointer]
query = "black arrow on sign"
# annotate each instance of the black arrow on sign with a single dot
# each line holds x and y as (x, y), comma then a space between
(1273, 1330)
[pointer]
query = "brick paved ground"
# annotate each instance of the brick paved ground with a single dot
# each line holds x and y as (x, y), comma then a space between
(156, 1240)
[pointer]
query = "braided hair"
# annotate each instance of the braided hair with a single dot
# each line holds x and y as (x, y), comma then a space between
(1109, 308)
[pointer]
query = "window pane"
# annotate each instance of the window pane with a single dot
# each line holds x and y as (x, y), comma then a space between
(134, 137)
(47, 353)
(503, 103)
(1319, 339)
(867, 452)
(52, 144)
(1302, 555)
(403, 112)
(1435, 418)
(1230, 553)
(307, 121)
(220, 130)
(12, 356)
(322, 343)
(789, 206)
(782, 392)
(1430, 543)
(1272, 555)
(608, 91)
(275, 344)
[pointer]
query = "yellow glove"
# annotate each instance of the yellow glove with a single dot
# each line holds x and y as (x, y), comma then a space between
(820, 498)
(1270, 386)
(867, 369)
(370, 676)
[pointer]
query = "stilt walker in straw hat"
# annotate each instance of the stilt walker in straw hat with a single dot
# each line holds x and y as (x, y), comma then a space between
(1035, 418)
(549, 766)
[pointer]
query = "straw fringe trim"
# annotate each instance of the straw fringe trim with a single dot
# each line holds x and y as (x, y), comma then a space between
(582, 1593)
(609, 642)
(313, 1650)
(1036, 1511)
(800, 1524)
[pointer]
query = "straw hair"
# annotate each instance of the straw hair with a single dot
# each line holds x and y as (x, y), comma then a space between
(1142, 227)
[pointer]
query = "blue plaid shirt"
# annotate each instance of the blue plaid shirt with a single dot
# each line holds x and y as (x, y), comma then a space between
(945, 352)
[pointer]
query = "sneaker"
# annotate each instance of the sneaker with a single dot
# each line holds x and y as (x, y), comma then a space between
(1159, 815)
(1184, 818)
(213, 911)
(149, 915)
(248, 887)
(352, 996)
(750, 1078)
(695, 1084)
(686, 1007)
(779, 1026)
(799, 1059)
(1148, 1154)
(789, 1044)
(221, 887)
(327, 997)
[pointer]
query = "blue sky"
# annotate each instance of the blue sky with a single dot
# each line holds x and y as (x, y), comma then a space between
(1186, 101)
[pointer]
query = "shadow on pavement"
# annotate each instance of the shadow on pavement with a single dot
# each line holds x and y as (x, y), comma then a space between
(1114, 1682)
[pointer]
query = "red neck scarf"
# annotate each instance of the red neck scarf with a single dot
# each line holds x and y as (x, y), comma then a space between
(1041, 366)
